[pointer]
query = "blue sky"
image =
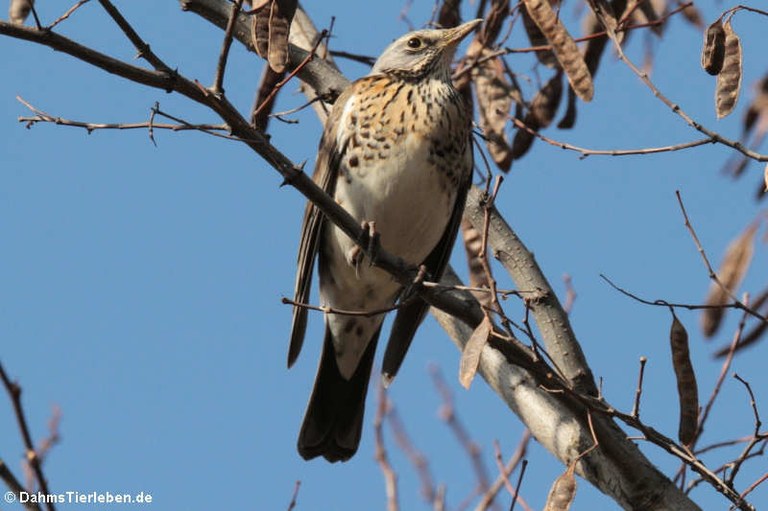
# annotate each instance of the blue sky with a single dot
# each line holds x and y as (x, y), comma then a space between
(141, 285)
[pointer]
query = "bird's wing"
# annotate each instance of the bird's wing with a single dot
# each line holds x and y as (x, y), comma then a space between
(410, 315)
(326, 171)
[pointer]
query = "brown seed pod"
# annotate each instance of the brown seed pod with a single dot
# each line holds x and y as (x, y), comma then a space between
(563, 46)
(260, 31)
(470, 356)
(495, 97)
(596, 45)
(765, 178)
(267, 84)
(269, 32)
(493, 22)
(563, 491)
(280, 17)
(473, 243)
(644, 11)
(536, 38)
(735, 263)
(714, 48)
(19, 10)
(569, 118)
(543, 109)
(547, 100)
(687, 389)
(729, 79)
(757, 330)
(449, 14)
(692, 15)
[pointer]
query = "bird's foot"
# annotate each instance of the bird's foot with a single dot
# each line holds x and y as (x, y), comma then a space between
(373, 241)
(421, 276)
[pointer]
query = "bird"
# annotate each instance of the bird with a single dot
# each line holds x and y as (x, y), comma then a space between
(396, 153)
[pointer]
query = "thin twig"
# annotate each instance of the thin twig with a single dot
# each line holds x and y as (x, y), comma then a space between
(290, 76)
(218, 81)
(502, 480)
(14, 392)
(639, 389)
(448, 414)
(610, 152)
(390, 478)
(757, 437)
(417, 459)
(712, 274)
(292, 503)
(720, 379)
(143, 48)
(67, 14)
(712, 135)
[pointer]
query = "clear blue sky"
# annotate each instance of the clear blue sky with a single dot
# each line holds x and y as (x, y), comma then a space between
(140, 286)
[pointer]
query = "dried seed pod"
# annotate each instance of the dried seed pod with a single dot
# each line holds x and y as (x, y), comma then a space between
(261, 111)
(19, 10)
(729, 79)
(470, 356)
(473, 243)
(563, 46)
(563, 491)
(536, 38)
(569, 118)
(269, 32)
(687, 389)
(493, 21)
(260, 31)
(495, 96)
(449, 14)
(280, 17)
(735, 263)
(522, 142)
(547, 100)
(756, 332)
(714, 48)
(596, 45)
(644, 11)
(692, 15)
(543, 109)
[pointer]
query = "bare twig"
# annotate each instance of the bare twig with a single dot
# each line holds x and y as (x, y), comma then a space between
(757, 437)
(448, 414)
(504, 472)
(712, 274)
(720, 379)
(43, 117)
(292, 503)
(390, 478)
(218, 81)
(290, 76)
(417, 459)
(34, 460)
(611, 152)
(67, 14)
(639, 389)
(143, 48)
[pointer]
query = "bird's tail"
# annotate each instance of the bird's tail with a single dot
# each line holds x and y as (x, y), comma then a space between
(333, 421)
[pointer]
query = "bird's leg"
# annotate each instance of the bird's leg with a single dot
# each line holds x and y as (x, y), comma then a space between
(374, 241)
(420, 277)
(371, 240)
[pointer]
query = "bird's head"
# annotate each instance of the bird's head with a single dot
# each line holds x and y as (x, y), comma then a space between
(423, 52)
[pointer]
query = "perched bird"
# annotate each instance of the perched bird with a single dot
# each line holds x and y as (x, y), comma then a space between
(396, 153)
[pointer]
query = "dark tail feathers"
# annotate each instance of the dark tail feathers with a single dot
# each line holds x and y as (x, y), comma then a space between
(333, 422)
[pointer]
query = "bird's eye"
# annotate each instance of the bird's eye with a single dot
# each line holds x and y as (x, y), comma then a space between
(414, 43)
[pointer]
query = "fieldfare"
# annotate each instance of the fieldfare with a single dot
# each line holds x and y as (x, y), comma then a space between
(396, 153)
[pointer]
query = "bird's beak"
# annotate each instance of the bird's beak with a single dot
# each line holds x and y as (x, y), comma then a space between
(453, 36)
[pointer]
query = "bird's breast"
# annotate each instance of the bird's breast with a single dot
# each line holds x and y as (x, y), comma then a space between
(406, 153)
